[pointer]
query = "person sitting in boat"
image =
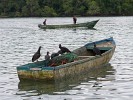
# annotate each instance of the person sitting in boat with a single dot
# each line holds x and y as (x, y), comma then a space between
(96, 50)
(64, 49)
(44, 23)
(74, 19)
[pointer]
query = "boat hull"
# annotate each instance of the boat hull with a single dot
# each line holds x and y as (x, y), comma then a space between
(73, 68)
(64, 84)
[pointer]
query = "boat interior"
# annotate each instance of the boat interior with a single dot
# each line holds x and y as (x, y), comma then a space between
(87, 52)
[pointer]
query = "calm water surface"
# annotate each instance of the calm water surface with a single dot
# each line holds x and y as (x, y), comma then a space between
(20, 38)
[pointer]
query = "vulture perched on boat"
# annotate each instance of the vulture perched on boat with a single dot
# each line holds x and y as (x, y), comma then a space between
(96, 50)
(64, 49)
(56, 54)
(47, 57)
(36, 55)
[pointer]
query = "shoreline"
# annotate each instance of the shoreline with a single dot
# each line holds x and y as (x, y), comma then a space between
(62, 16)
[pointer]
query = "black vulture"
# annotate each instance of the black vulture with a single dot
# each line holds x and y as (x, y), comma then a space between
(47, 57)
(36, 55)
(56, 54)
(64, 49)
(96, 50)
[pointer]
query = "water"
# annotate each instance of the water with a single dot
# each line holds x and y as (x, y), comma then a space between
(20, 38)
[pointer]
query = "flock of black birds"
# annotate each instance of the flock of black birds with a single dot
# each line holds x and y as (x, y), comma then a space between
(62, 50)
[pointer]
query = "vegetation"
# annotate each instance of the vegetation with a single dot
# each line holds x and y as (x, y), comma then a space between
(51, 8)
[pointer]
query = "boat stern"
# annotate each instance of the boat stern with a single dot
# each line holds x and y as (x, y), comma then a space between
(39, 73)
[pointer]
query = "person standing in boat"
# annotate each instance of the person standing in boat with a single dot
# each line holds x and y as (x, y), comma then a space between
(74, 19)
(44, 23)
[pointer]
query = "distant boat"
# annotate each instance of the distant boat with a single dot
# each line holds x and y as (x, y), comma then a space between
(86, 24)
(86, 60)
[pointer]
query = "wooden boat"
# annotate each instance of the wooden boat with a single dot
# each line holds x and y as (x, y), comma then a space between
(87, 24)
(85, 61)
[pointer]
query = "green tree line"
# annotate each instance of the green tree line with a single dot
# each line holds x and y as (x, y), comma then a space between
(52, 8)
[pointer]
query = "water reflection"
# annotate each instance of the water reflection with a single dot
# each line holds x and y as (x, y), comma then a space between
(39, 88)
